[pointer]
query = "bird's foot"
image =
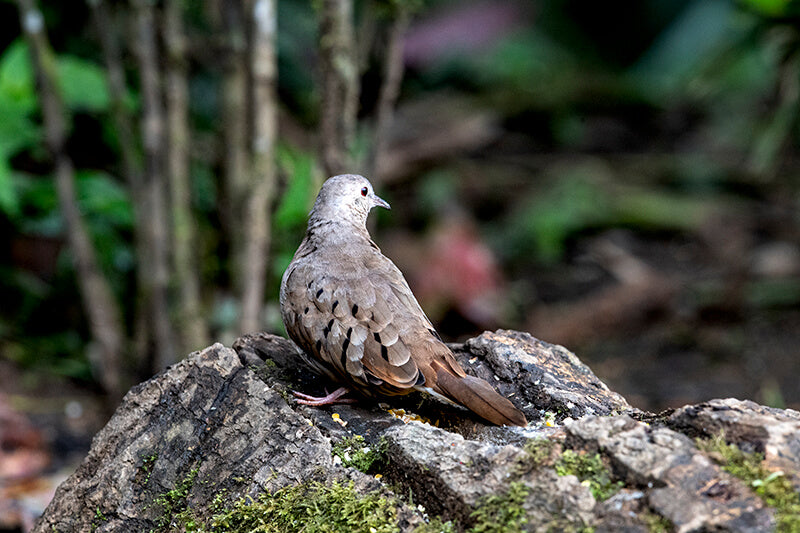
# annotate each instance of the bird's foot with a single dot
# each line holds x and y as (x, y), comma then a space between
(332, 398)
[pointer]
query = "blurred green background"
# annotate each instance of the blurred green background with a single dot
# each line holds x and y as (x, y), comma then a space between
(619, 177)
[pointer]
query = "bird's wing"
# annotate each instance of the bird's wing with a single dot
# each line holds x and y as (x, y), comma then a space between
(361, 324)
(351, 319)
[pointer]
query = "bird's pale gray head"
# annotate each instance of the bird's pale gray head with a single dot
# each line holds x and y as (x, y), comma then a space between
(347, 198)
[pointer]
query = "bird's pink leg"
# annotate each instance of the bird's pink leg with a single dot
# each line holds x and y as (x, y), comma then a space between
(332, 398)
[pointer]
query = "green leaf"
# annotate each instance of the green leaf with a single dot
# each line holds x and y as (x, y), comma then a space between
(299, 195)
(16, 74)
(17, 130)
(678, 52)
(38, 200)
(9, 200)
(770, 7)
(101, 196)
(83, 84)
(17, 101)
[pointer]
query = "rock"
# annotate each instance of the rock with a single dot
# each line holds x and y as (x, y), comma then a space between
(752, 427)
(455, 474)
(219, 426)
(683, 485)
(200, 414)
(548, 375)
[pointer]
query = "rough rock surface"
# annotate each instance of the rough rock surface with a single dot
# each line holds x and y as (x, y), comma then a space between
(221, 425)
(549, 376)
(753, 427)
(683, 485)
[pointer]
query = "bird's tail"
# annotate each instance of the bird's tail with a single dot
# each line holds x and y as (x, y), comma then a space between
(479, 397)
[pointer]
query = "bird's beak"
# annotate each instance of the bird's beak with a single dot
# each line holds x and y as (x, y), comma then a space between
(377, 201)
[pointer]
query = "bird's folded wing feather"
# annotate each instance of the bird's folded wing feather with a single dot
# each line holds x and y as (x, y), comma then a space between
(362, 323)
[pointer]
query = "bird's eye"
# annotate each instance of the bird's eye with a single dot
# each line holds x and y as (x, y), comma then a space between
(364, 191)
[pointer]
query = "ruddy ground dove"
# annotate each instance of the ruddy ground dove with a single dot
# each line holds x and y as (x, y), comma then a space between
(352, 313)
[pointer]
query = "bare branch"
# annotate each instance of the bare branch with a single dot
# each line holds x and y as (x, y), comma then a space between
(105, 322)
(235, 137)
(257, 228)
(156, 270)
(107, 29)
(390, 88)
(340, 85)
(190, 324)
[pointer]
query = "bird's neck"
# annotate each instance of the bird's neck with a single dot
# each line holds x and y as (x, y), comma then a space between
(336, 232)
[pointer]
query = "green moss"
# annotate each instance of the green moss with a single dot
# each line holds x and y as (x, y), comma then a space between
(560, 525)
(539, 450)
(656, 523)
(589, 469)
(773, 487)
(173, 506)
(311, 508)
(503, 513)
(436, 526)
(353, 451)
(143, 474)
(266, 370)
(99, 518)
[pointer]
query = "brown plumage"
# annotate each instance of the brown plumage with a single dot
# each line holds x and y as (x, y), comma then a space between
(351, 311)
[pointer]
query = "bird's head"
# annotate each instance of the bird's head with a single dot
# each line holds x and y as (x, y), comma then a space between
(348, 197)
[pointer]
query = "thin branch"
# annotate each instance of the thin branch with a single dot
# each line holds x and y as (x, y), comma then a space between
(156, 273)
(390, 88)
(340, 85)
(263, 70)
(107, 29)
(105, 322)
(235, 137)
(190, 324)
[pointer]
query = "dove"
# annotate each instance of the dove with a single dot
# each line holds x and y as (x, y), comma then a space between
(352, 313)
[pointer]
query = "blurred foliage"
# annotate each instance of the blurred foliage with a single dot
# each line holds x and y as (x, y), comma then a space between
(584, 197)
(727, 72)
(296, 201)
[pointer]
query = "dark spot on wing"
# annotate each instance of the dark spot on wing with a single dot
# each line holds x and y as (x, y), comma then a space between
(327, 329)
(319, 346)
(319, 292)
(306, 311)
(384, 353)
(335, 305)
(420, 379)
(377, 336)
(354, 310)
(349, 331)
